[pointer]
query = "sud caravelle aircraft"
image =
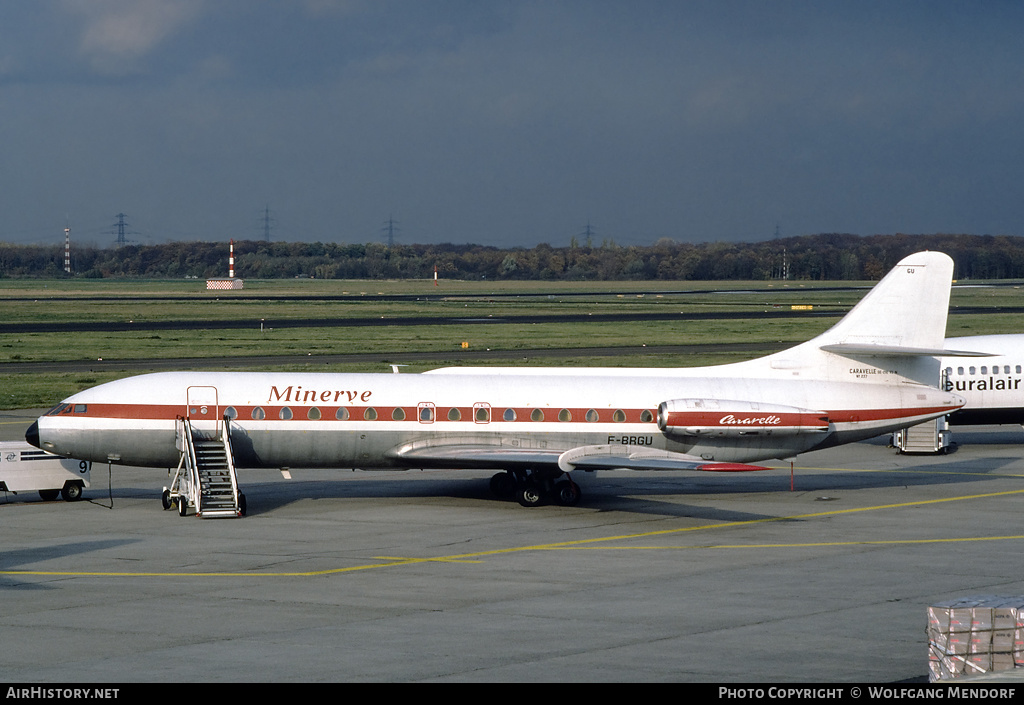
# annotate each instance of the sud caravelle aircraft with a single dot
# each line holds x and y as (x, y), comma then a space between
(875, 371)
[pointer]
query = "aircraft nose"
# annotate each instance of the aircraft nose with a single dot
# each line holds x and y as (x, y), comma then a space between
(32, 434)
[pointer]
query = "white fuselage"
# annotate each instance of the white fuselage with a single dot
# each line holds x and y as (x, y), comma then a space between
(356, 420)
(993, 387)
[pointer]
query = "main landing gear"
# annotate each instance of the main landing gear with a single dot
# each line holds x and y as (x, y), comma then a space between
(532, 489)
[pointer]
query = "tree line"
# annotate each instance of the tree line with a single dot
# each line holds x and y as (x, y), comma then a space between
(809, 257)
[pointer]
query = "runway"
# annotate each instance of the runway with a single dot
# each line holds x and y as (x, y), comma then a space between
(756, 312)
(422, 576)
(384, 358)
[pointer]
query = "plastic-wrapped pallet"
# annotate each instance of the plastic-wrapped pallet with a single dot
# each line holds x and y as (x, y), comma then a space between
(975, 635)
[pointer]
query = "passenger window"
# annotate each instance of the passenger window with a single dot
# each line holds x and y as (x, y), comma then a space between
(482, 412)
(537, 415)
(341, 414)
(1018, 369)
(509, 415)
(984, 369)
(971, 368)
(426, 413)
(313, 414)
(619, 416)
(1006, 369)
(285, 414)
(564, 415)
(231, 413)
(258, 414)
(398, 414)
(960, 371)
(592, 415)
(646, 416)
(454, 414)
(370, 414)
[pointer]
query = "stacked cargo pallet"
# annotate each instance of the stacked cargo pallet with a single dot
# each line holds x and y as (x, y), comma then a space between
(973, 636)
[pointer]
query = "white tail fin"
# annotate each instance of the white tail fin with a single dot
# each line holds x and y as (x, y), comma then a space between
(899, 325)
(907, 309)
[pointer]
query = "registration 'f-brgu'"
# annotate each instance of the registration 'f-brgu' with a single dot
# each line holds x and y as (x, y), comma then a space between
(875, 371)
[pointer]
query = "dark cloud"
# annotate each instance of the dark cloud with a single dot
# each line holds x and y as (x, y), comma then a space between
(509, 122)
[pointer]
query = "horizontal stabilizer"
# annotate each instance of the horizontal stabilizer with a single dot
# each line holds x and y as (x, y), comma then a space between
(862, 349)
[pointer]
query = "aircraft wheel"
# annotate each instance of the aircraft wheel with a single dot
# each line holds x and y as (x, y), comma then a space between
(530, 496)
(72, 492)
(165, 500)
(49, 495)
(503, 486)
(567, 493)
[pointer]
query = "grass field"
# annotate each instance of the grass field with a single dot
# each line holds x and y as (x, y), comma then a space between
(296, 300)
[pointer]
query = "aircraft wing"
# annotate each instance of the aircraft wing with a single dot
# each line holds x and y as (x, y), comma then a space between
(474, 456)
(599, 457)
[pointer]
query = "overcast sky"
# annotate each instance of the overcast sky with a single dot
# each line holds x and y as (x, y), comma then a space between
(509, 122)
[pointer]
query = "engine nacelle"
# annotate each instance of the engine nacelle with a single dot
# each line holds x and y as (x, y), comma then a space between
(726, 418)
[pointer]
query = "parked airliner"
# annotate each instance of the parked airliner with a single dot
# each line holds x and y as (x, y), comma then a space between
(873, 372)
(993, 387)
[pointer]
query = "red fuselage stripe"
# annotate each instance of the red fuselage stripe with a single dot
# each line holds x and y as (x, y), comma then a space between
(438, 414)
(444, 414)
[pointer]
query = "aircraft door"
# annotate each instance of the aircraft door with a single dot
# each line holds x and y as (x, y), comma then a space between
(203, 411)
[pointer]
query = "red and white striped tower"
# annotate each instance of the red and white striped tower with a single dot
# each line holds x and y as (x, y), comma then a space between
(67, 249)
(231, 261)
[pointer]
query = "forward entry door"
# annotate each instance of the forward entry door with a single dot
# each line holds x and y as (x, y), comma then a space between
(203, 411)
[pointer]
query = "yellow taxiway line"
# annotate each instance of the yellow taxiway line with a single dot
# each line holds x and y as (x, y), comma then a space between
(581, 544)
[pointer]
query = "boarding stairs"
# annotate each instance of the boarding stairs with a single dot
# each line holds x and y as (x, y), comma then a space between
(928, 437)
(205, 478)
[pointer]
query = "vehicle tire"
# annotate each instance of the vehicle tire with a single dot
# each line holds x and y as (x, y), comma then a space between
(165, 500)
(242, 507)
(72, 492)
(182, 506)
(567, 493)
(49, 495)
(530, 496)
(503, 486)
